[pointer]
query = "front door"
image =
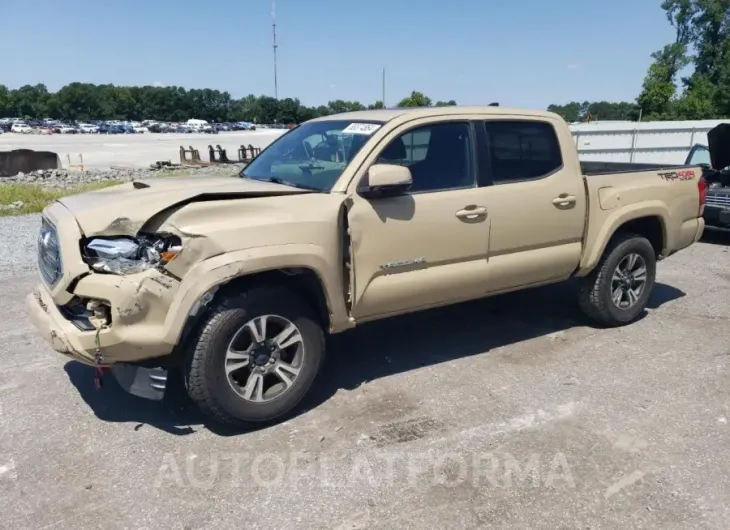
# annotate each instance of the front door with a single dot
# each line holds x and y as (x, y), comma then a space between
(429, 246)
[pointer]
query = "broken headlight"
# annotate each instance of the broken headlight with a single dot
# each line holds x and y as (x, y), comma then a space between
(125, 255)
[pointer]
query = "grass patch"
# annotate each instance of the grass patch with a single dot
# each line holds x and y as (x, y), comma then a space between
(172, 173)
(35, 198)
(205, 171)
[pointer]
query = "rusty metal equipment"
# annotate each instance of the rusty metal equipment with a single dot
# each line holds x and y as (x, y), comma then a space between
(255, 151)
(189, 156)
(222, 157)
(163, 163)
(79, 166)
(246, 154)
(217, 155)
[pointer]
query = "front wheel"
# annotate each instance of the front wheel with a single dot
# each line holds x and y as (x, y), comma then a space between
(256, 357)
(616, 292)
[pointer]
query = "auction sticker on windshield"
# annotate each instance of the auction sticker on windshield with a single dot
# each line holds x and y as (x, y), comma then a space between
(361, 128)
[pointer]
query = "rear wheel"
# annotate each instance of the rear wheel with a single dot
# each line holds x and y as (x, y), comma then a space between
(617, 291)
(256, 357)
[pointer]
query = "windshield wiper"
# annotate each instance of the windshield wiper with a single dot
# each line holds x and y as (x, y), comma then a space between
(277, 180)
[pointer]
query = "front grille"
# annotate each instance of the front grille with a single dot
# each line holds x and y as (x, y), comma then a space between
(718, 199)
(49, 254)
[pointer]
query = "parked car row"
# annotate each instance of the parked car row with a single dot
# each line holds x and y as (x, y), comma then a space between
(50, 126)
(24, 128)
(200, 126)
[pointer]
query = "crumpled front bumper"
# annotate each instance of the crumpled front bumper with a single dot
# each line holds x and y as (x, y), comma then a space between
(54, 328)
(64, 337)
(138, 306)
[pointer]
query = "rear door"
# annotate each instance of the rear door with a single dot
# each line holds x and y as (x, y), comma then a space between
(536, 201)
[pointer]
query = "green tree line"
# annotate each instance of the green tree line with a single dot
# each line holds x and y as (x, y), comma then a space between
(85, 101)
(688, 79)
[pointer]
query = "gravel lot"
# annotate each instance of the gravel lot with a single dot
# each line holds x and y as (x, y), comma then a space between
(133, 150)
(18, 237)
(508, 412)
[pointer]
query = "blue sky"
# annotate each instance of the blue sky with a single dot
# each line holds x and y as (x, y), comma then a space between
(527, 53)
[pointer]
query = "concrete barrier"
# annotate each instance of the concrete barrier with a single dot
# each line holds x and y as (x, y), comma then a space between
(26, 160)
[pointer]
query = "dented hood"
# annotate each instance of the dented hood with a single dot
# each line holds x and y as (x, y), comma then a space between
(123, 209)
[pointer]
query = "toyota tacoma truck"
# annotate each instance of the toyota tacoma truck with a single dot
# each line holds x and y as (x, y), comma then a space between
(235, 282)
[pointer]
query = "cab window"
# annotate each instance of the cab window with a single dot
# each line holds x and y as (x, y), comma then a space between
(438, 155)
(522, 150)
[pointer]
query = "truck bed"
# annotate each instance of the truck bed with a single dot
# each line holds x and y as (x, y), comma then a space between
(667, 196)
(590, 168)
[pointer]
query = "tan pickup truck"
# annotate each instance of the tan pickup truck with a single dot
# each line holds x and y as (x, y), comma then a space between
(234, 282)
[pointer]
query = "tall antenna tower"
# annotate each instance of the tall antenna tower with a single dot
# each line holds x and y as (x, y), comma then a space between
(273, 30)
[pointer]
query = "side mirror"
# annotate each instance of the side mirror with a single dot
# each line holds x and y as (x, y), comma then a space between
(385, 180)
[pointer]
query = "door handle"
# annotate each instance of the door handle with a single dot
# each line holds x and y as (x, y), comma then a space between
(472, 212)
(564, 200)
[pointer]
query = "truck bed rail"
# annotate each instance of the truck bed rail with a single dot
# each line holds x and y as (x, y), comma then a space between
(590, 168)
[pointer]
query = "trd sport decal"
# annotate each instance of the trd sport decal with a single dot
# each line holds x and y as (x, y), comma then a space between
(678, 175)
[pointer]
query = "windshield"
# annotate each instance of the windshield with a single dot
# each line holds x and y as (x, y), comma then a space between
(313, 155)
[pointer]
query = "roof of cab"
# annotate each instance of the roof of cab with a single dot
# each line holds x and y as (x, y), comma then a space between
(384, 115)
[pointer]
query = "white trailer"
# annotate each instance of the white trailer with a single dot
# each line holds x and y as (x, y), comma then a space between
(658, 142)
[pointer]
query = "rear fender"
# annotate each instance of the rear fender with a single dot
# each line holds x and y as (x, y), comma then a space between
(597, 238)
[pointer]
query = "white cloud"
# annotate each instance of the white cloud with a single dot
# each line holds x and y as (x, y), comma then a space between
(158, 83)
(573, 66)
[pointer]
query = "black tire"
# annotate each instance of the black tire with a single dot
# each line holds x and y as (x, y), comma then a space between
(206, 380)
(595, 289)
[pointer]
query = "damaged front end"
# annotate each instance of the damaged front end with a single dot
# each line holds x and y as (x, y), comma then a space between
(104, 300)
(112, 264)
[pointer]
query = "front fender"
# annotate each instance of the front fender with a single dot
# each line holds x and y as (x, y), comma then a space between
(221, 269)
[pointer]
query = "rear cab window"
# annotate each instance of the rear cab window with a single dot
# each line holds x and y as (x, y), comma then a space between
(520, 150)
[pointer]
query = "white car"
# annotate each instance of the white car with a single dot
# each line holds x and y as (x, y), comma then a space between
(21, 128)
(88, 128)
(65, 129)
(140, 129)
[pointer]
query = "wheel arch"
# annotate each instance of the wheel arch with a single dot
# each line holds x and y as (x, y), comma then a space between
(647, 221)
(304, 281)
(305, 270)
